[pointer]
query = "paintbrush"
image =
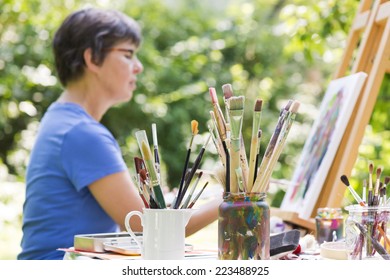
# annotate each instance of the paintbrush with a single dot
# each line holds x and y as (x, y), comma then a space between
(217, 142)
(145, 186)
(193, 187)
(139, 164)
(147, 155)
(386, 241)
(345, 180)
(192, 173)
(148, 159)
(227, 94)
(377, 183)
(377, 246)
(220, 175)
(197, 196)
(194, 131)
(387, 180)
(155, 149)
(259, 133)
(382, 191)
(254, 143)
(243, 162)
(220, 120)
(269, 151)
(280, 144)
(140, 191)
(236, 113)
(240, 184)
(142, 175)
(370, 188)
(221, 127)
(364, 194)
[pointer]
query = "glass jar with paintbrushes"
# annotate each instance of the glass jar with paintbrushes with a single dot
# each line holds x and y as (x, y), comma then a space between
(367, 225)
(243, 227)
(244, 217)
(367, 232)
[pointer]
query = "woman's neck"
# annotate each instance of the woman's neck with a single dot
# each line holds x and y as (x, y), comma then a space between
(85, 96)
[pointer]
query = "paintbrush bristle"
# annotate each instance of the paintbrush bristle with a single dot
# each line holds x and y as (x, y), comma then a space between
(227, 91)
(258, 105)
(236, 103)
(387, 180)
(345, 180)
(371, 168)
(220, 175)
(143, 175)
(146, 151)
(139, 164)
(378, 172)
(194, 127)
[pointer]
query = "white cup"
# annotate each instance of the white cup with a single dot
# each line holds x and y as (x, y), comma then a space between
(163, 232)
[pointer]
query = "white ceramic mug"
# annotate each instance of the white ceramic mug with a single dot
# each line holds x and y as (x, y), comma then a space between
(163, 232)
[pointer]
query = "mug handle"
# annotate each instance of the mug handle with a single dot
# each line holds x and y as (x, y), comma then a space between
(128, 228)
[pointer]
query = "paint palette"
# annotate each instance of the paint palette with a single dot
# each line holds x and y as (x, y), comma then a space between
(96, 242)
(123, 248)
(131, 249)
(119, 242)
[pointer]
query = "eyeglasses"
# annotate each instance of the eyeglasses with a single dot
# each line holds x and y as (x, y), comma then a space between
(131, 56)
(130, 51)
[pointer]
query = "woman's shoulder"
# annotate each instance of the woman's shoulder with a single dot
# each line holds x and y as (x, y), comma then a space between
(87, 132)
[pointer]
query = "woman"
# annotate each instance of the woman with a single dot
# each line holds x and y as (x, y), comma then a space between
(77, 181)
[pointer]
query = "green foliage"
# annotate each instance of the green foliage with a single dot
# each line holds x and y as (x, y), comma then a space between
(276, 50)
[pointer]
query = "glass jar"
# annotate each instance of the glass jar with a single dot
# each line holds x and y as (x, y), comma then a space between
(367, 232)
(329, 225)
(244, 227)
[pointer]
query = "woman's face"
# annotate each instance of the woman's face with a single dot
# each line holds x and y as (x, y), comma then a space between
(118, 73)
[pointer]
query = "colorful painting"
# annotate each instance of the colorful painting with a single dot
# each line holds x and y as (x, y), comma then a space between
(321, 146)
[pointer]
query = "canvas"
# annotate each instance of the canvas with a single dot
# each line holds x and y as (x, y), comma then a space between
(321, 146)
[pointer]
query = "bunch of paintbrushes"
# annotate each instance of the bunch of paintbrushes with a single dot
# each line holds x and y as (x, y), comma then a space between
(375, 194)
(148, 179)
(226, 130)
(373, 223)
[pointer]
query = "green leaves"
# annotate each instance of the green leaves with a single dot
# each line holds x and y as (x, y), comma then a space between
(275, 50)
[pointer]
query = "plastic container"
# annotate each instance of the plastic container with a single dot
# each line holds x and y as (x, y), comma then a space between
(367, 232)
(244, 227)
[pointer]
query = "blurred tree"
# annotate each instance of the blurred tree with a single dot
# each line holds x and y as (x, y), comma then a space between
(276, 50)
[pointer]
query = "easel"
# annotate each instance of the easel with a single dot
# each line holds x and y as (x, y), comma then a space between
(373, 58)
(372, 21)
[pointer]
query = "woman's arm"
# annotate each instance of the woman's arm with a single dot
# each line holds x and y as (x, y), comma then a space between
(117, 195)
(205, 215)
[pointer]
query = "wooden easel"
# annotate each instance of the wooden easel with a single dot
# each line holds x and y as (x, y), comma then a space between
(369, 40)
(373, 58)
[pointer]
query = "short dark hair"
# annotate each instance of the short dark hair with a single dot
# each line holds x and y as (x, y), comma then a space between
(90, 28)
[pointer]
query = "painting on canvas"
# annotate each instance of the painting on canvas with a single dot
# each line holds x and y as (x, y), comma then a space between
(321, 146)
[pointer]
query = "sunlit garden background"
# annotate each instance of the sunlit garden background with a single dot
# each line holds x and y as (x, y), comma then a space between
(271, 49)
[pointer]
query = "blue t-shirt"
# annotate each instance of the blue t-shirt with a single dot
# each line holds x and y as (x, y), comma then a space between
(72, 150)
